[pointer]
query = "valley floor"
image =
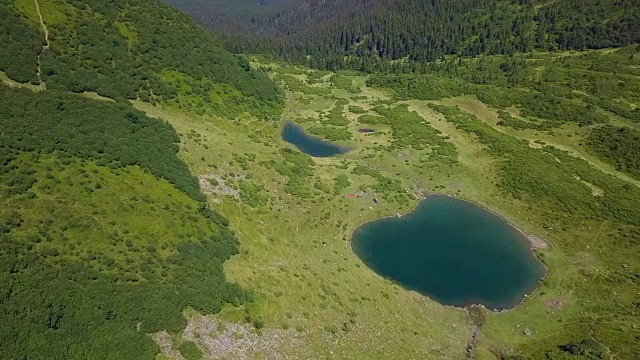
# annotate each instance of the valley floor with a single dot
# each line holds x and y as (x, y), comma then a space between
(313, 297)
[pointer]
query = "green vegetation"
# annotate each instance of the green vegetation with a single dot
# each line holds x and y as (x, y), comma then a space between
(551, 88)
(190, 351)
(331, 133)
(294, 84)
(297, 168)
(522, 154)
(336, 116)
(84, 272)
(525, 172)
(383, 35)
(341, 182)
(252, 194)
(423, 87)
(333, 124)
(126, 50)
(105, 234)
(411, 130)
(109, 133)
(620, 146)
(586, 349)
(506, 119)
(546, 178)
(21, 44)
(344, 83)
(391, 189)
(106, 239)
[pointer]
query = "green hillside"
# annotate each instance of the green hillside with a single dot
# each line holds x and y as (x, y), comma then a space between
(514, 138)
(151, 208)
(105, 235)
(366, 35)
(96, 250)
(594, 90)
(127, 50)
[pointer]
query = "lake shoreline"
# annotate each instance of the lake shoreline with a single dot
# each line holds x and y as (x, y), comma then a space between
(535, 243)
(310, 138)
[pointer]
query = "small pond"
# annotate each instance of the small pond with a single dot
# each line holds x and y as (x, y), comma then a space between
(452, 251)
(308, 144)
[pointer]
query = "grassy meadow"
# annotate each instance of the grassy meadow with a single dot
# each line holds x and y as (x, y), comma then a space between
(307, 294)
(293, 218)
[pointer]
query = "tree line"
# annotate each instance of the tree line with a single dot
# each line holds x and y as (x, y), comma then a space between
(362, 34)
(110, 133)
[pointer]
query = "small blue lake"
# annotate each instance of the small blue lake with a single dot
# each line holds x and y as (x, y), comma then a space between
(452, 251)
(308, 144)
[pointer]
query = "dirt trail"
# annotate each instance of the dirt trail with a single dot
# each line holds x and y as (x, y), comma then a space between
(44, 47)
(468, 350)
(477, 317)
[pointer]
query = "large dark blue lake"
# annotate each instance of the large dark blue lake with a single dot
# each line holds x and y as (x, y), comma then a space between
(452, 251)
(308, 144)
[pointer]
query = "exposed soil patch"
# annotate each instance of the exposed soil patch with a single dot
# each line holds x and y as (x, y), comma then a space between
(555, 304)
(476, 314)
(216, 184)
(223, 340)
(45, 46)
(165, 343)
(537, 242)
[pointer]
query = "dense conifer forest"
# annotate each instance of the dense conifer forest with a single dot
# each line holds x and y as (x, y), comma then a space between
(361, 34)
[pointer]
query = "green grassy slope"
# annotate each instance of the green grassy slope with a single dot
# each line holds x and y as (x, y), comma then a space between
(296, 256)
(109, 133)
(315, 298)
(545, 92)
(94, 259)
(561, 125)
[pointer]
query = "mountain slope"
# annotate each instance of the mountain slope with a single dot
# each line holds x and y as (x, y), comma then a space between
(232, 7)
(127, 50)
(423, 30)
(522, 131)
(106, 240)
(105, 237)
(96, 251)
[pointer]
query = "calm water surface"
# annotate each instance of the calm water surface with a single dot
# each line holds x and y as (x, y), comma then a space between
(453, 251)
(308, 144)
